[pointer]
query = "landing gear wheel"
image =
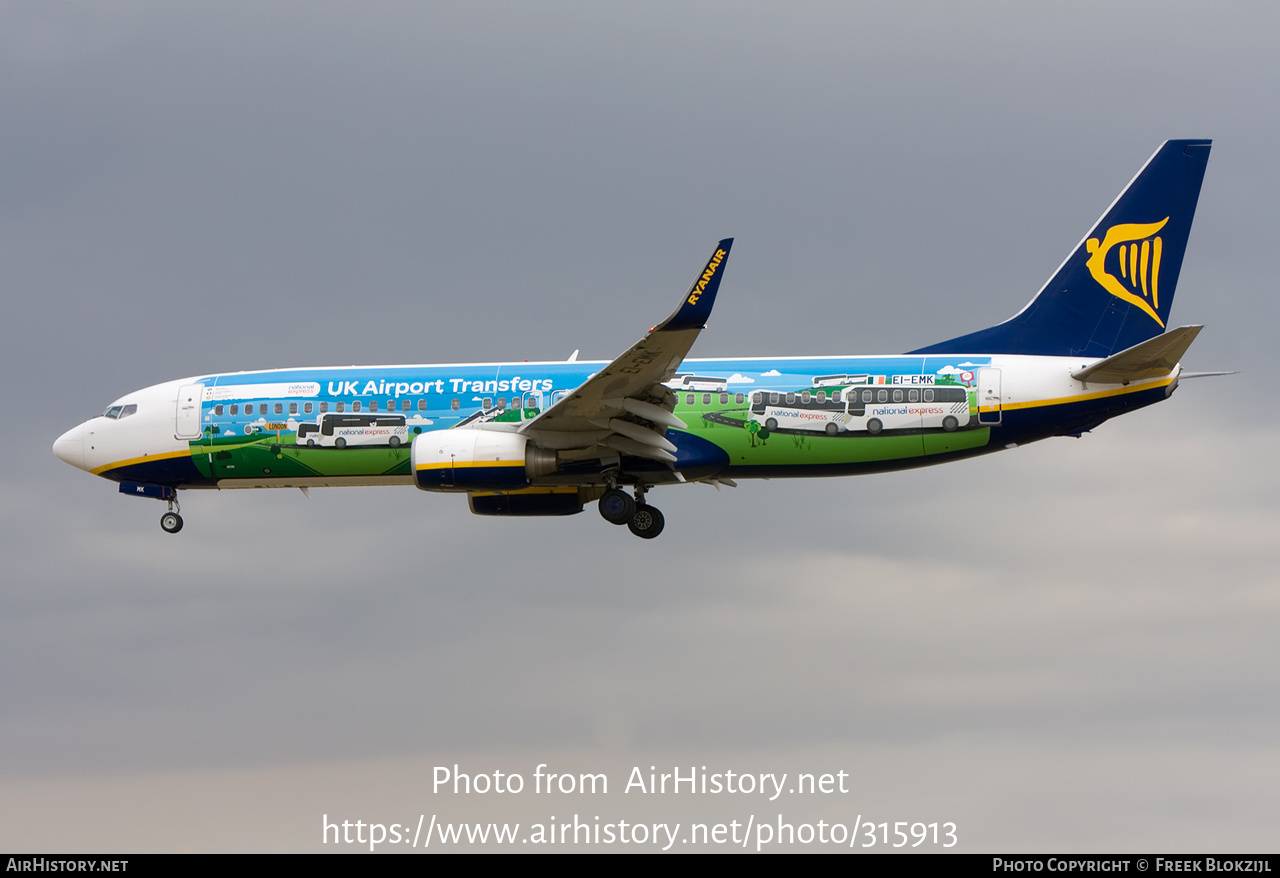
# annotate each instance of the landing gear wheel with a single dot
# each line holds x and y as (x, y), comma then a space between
(171, 522)
(616, 506)
(874, 426)
(949, 424)
(647, 522)
(339, 442)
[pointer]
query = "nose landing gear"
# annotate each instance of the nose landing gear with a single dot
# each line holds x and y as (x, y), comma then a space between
(171, 521)
(643, 520)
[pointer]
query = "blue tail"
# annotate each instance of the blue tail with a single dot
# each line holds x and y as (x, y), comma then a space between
(1116, 287)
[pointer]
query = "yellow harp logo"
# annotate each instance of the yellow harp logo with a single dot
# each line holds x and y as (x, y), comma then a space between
(1138, 258)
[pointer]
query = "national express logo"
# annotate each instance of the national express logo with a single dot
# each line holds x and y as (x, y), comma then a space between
(1137, 248)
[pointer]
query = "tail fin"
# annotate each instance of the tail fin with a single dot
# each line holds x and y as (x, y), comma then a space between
(1115, 289)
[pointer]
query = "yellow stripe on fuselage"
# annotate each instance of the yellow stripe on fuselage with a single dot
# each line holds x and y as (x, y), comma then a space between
(1062, 400)
(133, 461)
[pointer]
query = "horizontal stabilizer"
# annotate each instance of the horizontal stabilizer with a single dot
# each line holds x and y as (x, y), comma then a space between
(1153, 358)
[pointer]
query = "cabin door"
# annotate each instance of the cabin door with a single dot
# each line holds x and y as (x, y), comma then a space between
(187, 421)
(989, 397)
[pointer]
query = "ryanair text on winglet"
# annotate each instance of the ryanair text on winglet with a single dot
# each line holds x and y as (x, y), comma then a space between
(706, 277)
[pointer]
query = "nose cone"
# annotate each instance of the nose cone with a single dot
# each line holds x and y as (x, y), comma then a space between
(69, 447)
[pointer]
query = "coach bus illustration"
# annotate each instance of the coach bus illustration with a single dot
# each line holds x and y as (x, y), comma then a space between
(338, 430)
(871, 409)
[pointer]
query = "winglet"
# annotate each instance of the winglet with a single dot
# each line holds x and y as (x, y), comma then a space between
(695, 307)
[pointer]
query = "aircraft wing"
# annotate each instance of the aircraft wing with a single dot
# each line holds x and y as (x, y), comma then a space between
(625, 405)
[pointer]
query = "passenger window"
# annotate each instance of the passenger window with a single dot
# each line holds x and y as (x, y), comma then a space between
(324, 407)
(293, 408)
(279, 408)
(805, 397)
(866, 396)
(688, 400)
(739, 399)
(422, 405)
(822, 396)
(897, 396)
(342, 407)
(502, 403)
(882, 396)
(773, 399)
(404, 405)
(706, 399)
(835, 396)
(373, 406)
(235, 409)
(791, 399)
(487, 403)
(217, 409)
(724, 399)
(928, 395)
(356, 406)
(307, 408)
(455, 405)
(913, 396)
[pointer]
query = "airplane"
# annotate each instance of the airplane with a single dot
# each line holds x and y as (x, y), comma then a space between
(547, 438)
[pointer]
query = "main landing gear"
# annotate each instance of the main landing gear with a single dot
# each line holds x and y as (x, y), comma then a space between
(171, 521)
(643, 520)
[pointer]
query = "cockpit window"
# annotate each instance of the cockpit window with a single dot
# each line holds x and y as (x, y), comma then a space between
(116, 412)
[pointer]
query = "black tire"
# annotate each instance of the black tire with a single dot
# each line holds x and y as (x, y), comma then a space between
(311, 443)
(339, 442)
(616, 506)
(647, 523)
(949, 424)
(832, 429)
(394, 441)
(771, 424)
(874, 426)
(171, 522)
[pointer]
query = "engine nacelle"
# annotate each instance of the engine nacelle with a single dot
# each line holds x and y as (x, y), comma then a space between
(477, 460)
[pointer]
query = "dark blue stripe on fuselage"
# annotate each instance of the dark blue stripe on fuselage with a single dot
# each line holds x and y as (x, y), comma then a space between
(179, 472)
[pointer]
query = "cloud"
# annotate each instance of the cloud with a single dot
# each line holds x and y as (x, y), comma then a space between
(772, 373)
(735, 378)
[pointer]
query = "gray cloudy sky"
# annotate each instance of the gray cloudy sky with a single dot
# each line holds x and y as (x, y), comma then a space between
(1070, 646)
